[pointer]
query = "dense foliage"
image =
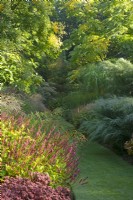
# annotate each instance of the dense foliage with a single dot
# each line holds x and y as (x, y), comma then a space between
(56, 59)
(104, 78)
(28, 37)
(100, 79)
(26, 148)
(37, 189)
(129, 146)
(34, 33)
(110, 121)
(100, 28)
(56, 121)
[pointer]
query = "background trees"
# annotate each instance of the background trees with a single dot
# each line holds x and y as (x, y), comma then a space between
(58, 59)
(28, 38)
(65, 42)
(99, 24)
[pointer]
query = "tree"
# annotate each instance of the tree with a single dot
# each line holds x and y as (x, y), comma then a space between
(27, 36)
(100, 24)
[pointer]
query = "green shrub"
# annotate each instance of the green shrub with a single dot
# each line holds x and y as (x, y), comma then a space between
(80, 113)
(76, 99)
(18, 101)
(110, 77)
(33, 103)
(26, 149)
(56, 121)
(110, 121)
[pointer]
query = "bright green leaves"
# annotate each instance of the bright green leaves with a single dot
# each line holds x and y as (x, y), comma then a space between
(19, 72)
(100, 23)
(27, 36)
(26, 148)
(8, 67)
(92, 49)
(34, 33)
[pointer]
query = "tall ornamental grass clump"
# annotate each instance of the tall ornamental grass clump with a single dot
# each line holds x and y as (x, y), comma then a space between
(110, 121)
(109, 77)
(26, 149)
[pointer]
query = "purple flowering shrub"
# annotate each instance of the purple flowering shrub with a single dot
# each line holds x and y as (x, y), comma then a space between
(36, 189)
(26, 150)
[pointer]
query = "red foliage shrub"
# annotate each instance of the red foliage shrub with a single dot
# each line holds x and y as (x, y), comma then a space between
(36, 189)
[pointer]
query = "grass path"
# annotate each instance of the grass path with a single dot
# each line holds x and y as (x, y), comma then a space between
(109, 177)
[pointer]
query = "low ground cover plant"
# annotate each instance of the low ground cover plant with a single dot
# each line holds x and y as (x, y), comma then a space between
(110, 121)
(26, 150)
(36, 189)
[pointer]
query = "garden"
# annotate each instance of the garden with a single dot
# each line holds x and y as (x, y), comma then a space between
(66, 100)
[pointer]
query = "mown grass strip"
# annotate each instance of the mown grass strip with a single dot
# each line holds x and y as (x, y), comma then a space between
(110, 177)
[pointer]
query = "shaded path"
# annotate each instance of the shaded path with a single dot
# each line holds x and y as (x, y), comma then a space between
(110, 177)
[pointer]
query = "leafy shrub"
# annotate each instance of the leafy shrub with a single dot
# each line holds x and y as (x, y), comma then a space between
(56, 120)
(76, 99)
(80, 113)
(10, 103)
(53, 119)
(13, 100)
(48, 92)
(129, 146)
(33, 103)
(113, 77)
(26, 149)
(36, 189)
(110, 121)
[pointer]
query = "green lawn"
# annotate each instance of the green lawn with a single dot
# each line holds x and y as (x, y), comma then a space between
(109, 177)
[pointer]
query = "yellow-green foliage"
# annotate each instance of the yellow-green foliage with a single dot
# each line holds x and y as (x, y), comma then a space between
(26, 150)
(129, 146)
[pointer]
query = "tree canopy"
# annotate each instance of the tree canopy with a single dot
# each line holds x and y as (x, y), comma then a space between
(27, 36)
(36, 33)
